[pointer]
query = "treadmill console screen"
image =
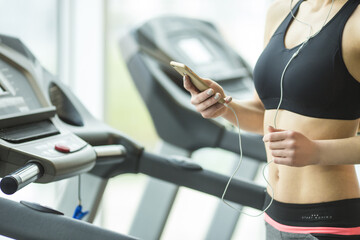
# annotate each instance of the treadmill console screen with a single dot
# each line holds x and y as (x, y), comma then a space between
(21, 98)
(204, 55)
(16, 93)
(195, 50)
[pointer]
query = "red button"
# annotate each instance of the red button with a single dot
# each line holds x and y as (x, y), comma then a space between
(62, 148)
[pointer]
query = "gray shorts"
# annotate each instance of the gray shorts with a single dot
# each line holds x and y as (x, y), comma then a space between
(274, 234)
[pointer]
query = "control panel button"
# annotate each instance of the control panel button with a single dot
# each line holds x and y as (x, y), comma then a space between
(54, 146)
(62, 148)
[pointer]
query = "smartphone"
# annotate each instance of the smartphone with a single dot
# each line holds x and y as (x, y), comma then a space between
(198, 82)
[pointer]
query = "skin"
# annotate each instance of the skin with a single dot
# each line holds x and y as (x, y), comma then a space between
(313, 158)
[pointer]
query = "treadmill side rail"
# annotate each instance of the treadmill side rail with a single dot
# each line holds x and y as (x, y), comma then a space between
(240, 191)
(36, 225)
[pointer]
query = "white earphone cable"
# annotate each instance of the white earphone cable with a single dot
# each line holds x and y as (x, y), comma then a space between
(238, 167)
(296, 53)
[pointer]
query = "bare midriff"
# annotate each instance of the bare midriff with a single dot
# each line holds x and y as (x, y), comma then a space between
(314, 183)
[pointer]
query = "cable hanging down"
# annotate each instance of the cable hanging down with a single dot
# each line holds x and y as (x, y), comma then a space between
(238, 167)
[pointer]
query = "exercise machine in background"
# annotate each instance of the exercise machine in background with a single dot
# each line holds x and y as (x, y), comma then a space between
(148, 50)
(46, 134)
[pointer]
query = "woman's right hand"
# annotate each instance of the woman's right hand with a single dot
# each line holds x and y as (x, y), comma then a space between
(206, 102)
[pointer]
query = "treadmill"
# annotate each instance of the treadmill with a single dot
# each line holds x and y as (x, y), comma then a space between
(147, 50)
(46, 135)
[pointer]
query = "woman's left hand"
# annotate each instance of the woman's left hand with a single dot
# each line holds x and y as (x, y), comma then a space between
(291, 148)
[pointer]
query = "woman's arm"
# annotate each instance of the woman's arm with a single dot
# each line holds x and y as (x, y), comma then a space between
(339, 151)
(294, 149)
(250, 114)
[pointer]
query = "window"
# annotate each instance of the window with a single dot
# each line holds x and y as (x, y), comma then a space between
(34, 22)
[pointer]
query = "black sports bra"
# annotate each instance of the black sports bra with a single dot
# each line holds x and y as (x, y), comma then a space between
(317, 82)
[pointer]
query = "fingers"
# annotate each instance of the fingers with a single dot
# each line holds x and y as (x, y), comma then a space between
(286, 147)
(210, 112)
(282, 161)
(228, 99)
(202, 96)
(283, 153)
(199, 97)
(276, 145)
(278, 135)
(272, 129)
(189, 86)
(204, 100)
(271, 137)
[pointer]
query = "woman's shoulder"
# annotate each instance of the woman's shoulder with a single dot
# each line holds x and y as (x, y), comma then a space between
(276, 13)
(280, 8)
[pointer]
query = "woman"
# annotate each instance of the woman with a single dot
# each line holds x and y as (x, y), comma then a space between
(314, 145)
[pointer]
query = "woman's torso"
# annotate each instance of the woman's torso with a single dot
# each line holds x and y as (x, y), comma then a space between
(316, 183)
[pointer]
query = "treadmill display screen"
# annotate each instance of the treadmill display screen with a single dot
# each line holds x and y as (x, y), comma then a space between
(195, 50)
(16, 93)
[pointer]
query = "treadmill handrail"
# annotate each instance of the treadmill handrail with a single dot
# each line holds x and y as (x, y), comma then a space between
(197, 178)
(110, 150)
(21, 222)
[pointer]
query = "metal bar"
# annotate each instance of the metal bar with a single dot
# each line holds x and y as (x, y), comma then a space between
(110, 150)
(240, 191)
(20, 178)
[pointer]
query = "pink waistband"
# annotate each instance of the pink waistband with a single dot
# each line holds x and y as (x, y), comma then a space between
(305, 230)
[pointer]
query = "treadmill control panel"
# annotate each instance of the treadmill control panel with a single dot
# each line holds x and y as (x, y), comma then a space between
(55, 147)
(30, 131)
(200, 46)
